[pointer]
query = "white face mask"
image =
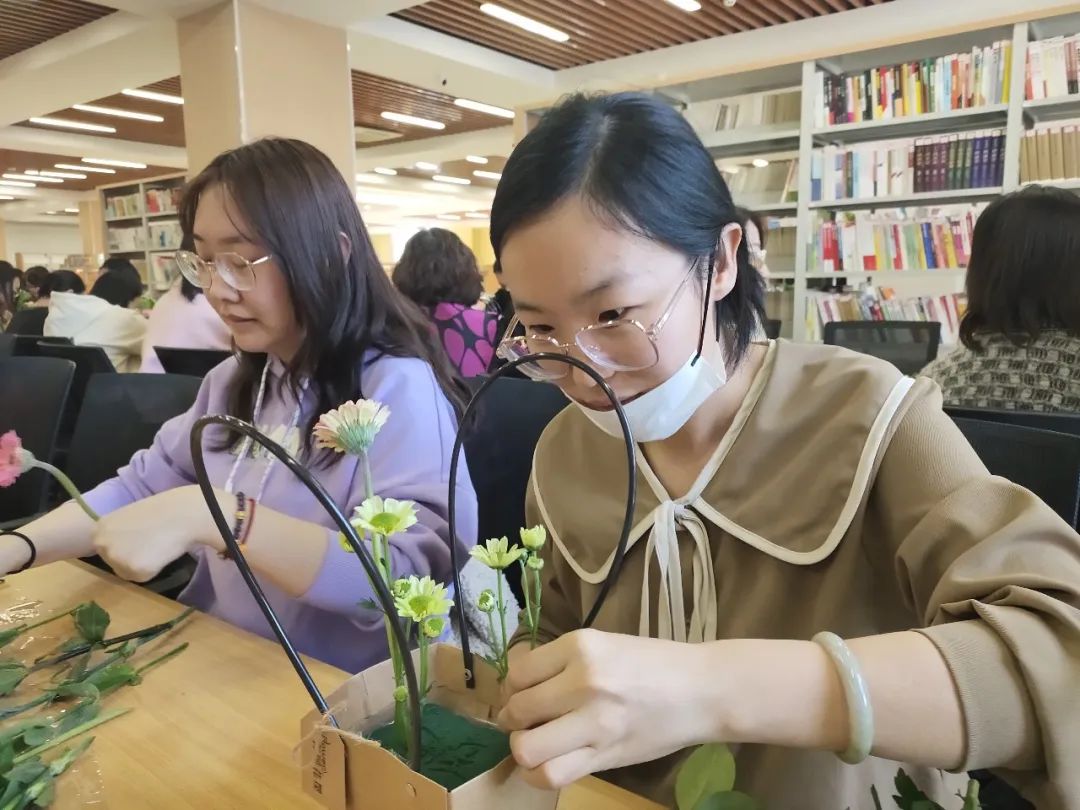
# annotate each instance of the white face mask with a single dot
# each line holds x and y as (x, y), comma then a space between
(661, 413)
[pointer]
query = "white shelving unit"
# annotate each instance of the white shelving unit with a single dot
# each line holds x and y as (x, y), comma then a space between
(959, 195)
(152, 259)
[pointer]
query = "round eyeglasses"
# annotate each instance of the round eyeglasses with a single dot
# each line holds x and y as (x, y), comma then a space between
(233, 269)
(622, 344)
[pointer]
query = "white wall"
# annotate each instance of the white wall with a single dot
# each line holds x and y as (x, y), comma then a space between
(33, 237)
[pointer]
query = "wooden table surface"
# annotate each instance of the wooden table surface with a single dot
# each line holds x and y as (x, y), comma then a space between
(213, 729)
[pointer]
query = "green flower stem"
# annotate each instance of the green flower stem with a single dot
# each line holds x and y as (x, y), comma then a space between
(43, 622)
(369, 487)
(526, 590)
(423, 642)
(161, 659)
(536, 609)
(494, 638)
(504, 666)
(75, 732)
(67, 484)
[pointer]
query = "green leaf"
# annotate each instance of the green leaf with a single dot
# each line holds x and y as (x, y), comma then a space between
(113, 677)
(38, 735)
(83, 713)
(47, 795)
(730, 800)
(709, 769)
(7, 755)
(971, 800)
(77, 689)
(910, 795)
(10, 634)
(91, 620)
(11, 675)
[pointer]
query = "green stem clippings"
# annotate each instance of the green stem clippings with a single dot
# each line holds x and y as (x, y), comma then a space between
(534, 626)
(503, 665)
(67, 484)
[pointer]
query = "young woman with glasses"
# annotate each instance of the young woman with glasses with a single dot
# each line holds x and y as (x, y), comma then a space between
(790, 497)
(284, 258)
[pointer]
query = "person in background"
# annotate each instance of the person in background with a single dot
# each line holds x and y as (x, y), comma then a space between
(756, 234)
(1020, 336)
(101, 318)
(116, 264)
(31, 320)
(284, 258)
(819, 561)
(34, 282)
(10, 284)
(439, 273)
(183, 318)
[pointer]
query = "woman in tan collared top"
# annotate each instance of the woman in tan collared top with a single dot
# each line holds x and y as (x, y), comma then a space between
(784, 490)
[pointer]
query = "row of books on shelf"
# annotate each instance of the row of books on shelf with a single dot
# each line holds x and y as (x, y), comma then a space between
(165, 235)
(756, 186)
(882, 304)
(958, 81)
(1050, 153)
(124, 205)
(126, 240)
(940, 163)
(752, 110)
(894, 240)
(163, 200)
(1052, 68)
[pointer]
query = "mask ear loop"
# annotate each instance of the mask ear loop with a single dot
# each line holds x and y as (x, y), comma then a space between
(708, 293)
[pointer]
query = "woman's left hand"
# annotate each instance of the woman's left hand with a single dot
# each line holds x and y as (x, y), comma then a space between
(140, 539)
(591, 701)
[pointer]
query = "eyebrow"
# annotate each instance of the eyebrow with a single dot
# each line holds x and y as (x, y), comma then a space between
(593, 291)
(228, 240)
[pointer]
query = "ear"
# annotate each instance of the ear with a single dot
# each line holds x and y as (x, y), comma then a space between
(346, 246)
(726, 267)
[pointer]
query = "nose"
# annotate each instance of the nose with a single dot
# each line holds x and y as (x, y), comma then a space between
(220, 292)
(580, 378)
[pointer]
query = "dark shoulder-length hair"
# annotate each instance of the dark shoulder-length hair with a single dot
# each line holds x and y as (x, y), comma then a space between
(9, 274)
(639, 163)
(300, 206)
(1024, 272)
(436, 267)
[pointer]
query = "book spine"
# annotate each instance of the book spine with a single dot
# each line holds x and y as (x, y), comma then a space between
(941, 164)
(998, 174)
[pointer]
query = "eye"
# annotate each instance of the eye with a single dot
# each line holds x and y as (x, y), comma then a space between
(611, 315)
(539, 329)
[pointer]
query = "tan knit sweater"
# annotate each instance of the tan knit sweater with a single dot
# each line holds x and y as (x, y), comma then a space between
(843, 499)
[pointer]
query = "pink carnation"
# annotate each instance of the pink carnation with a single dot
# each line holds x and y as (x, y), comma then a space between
(11, 461)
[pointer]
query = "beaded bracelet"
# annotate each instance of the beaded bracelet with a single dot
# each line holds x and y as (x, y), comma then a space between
(860, 711)
(240, 523)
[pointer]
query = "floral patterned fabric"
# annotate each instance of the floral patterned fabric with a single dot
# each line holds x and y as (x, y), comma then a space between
(468, 336)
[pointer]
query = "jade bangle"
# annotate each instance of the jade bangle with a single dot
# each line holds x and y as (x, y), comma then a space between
(860, 712)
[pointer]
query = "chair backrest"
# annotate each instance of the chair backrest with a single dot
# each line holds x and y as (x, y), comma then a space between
(27, 345)
(908, 345)
(194, 362)
(7, 345)
(88, 360)
(29, 321)
(1057, 422)
(772, 328)
(121, 413)
(35, 393)
(499, 447)
(1042, 461)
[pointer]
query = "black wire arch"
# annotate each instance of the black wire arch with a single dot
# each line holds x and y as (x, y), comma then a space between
(628, 516)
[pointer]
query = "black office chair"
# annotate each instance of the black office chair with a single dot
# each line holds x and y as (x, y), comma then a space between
(1057, 422)
(193, 362)
(35, 393)
(499, 447)
(29, 321)
(908, 345)
(772, 328)
(7, 345)
(27, 345)
(121, 414)
(1045, 462)
(88, 360)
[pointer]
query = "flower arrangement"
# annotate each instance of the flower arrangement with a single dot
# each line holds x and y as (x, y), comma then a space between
(16, 460)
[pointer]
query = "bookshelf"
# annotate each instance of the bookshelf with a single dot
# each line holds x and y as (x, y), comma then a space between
(916, 199)
(141, 223)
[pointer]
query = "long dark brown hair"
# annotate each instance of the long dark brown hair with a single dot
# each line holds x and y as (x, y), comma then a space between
(299, 206)
(436, 267)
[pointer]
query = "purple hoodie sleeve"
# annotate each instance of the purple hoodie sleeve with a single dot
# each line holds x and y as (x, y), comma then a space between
(164, 465)
(410, 460)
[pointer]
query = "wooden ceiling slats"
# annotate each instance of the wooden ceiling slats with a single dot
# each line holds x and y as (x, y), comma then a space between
(608, 29)
(25, 25)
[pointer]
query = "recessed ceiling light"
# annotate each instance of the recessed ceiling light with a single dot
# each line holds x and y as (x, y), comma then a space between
(150, 95)
(123, 164)
(375, 179)
(760, 163)
(479, 106)
(476, 159)
(477, 215)
(730, 169)
(444, 188)
(451, 217)
(63, 123)
(686, 5)
(384, 170)
(487, 175)
(32, 178)
(6, 197)
(84, 168)
(138, 116)
(426, 167)
(413, 120)
(66, 175)
(50, 213)
(18, 183)
(457, 181)
(521, 21)
(71, 210)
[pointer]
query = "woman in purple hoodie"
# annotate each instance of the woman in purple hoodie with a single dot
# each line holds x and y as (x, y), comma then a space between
(284, 258)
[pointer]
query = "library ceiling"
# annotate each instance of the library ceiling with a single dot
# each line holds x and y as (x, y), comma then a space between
(14, 161)
(26, 24)
(596, 30)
